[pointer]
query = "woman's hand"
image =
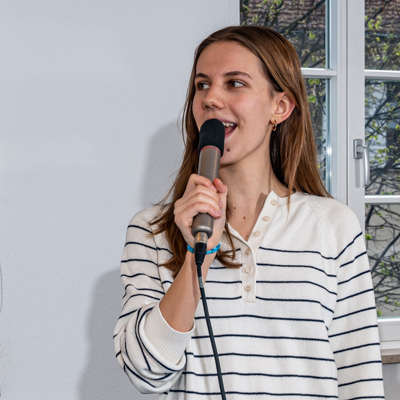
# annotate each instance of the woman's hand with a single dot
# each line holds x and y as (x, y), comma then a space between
(202, 196)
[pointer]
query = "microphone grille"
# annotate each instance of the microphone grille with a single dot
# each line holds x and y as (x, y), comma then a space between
(212, 133)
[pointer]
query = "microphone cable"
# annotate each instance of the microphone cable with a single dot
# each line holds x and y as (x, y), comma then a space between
(200, 252)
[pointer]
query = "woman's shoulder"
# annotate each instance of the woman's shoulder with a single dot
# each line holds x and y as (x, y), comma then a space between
(141, 226)
(339, 221)
(144, 217)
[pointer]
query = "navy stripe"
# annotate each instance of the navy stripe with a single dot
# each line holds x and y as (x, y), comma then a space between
(261, 317)
(355, 312)
(118, 354)
(355, 276)
(261, 374)
(297, 252)
(325, 396)
(163, 377)
(355, 258)
(312, 251)
(262, 337)
(296, 266)
(134, 295)
(262, 356)
(139, 259)
(140, 274)
(149, 247)
(164, 282)
(348, 245)
(367, 397)
(361, 380)
(363, 363)
(353, 330)
(356, 347)
(147, 350)
(137, 375)
(224, 282)
(309, 282)
(153, 290)
(122, 327)
(355, 294)
(140, 227)
(139, 294)
(296, 301)
(137, 323)
(224, 298)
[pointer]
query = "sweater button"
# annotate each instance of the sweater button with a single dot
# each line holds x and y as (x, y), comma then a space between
(247, 270)
(274, 202)
(256, 233)
(247, 288)
(266, 218)
(247, 252)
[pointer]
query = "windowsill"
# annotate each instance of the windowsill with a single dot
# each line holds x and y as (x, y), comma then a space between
(389, 333)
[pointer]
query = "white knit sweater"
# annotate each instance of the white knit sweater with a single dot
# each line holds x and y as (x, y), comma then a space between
(296, 321)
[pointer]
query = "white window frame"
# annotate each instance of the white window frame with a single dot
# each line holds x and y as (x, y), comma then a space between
(346, 74)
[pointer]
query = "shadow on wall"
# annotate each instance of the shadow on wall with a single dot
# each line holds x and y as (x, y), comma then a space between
(103, 378)
(164, 157)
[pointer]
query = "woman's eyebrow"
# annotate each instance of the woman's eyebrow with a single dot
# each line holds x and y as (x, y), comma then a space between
(236, 73)
(227, 74)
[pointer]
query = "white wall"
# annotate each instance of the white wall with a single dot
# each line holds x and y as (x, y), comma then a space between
(90, 94)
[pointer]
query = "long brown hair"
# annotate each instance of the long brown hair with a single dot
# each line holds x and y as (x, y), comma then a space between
(292, 148)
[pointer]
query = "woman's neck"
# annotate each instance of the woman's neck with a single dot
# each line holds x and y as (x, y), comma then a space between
(247, 190)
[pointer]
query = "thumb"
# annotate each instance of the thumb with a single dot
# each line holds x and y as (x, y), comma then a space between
(221, 189)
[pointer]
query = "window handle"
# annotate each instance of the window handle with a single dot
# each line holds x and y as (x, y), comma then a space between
(362, 152)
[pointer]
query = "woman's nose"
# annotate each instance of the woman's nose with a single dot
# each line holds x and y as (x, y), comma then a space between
(214, 98)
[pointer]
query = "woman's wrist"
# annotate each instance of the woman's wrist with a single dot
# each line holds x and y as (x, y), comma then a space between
(211, 251)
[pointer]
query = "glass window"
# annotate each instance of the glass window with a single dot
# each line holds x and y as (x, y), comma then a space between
(382, 231)
(382, 136)
(302, 22)
(382, 35)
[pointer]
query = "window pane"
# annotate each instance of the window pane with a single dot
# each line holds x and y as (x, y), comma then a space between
(316, 93)
(382, 135)
(382, 231)
(302, 22)
(382, 34)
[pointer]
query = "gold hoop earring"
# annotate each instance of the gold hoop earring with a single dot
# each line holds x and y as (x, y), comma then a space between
(274, 126)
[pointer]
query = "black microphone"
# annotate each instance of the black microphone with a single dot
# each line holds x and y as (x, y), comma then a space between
(211, 149)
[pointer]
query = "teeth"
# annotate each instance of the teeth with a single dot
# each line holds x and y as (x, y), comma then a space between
(226, 124)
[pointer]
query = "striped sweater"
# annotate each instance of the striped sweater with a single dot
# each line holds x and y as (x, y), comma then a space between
(296, 320)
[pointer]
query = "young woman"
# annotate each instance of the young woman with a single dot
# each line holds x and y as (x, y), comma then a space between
(289, 292)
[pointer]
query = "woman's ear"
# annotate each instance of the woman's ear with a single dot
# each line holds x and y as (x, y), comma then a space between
(284, 107)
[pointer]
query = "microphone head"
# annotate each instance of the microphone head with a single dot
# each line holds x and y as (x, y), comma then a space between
(212, 133)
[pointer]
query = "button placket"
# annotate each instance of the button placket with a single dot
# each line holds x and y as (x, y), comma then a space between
(254, 242)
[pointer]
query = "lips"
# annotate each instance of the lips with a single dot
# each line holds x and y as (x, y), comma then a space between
(229, 130)
(229, 127)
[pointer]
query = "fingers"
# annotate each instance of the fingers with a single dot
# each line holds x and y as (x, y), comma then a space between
(221, 188)
(196, 180)
(199, 199)
(201, 196)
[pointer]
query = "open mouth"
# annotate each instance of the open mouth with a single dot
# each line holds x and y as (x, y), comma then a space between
(229, 127)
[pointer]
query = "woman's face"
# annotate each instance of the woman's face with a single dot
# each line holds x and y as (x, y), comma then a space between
(231, 87)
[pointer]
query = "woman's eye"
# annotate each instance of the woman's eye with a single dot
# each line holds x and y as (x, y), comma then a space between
(236, 84)
(202, 86)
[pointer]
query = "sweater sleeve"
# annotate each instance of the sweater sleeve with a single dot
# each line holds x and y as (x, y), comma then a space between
(353, 332)
(147, 348)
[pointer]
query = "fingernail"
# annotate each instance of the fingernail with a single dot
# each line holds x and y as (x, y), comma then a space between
(220, 213)
(220, 204)
(213, 188)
